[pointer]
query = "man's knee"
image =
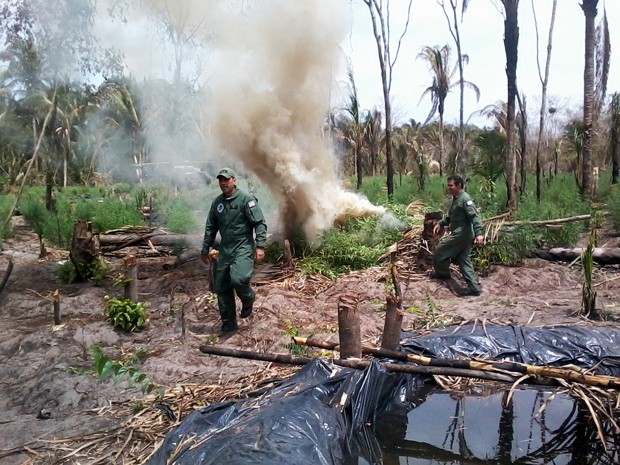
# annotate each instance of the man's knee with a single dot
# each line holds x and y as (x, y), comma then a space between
(240, 280)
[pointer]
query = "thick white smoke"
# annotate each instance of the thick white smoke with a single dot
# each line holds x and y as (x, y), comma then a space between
(270, 93)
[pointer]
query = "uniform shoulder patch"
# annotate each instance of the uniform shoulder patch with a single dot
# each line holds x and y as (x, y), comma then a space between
(251, 203)
(469, 202)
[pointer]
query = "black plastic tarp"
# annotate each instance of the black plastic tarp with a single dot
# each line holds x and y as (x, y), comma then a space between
(329, 415)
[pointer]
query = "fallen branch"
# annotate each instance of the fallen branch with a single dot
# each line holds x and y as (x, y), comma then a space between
(601, 255)
(356, 364)
(570, 219)
(510, 368)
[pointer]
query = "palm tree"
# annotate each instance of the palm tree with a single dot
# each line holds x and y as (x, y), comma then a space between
(438, 60)
(614, 143)
(589, 11)
(511, 43)
(373, 137)
(356, 129)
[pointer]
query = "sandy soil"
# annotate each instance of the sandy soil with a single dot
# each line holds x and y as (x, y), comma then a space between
(46, 367)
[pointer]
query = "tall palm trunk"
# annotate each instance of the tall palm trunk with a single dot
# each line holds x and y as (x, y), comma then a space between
(511, 42)
(614, 144)
(589, 11)
(461, 161)
(441, 143)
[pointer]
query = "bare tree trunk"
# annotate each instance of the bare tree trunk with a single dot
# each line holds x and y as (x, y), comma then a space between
(380, 17)
(523, 141)
(589, 10)
(511, 43)
(461, 161)
(545, 83)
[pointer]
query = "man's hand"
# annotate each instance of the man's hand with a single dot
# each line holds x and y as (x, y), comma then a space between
(479, 240)
(211, 256)
(260, 255)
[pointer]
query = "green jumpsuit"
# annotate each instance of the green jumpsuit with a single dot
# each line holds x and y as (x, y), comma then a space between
(236, 218)
(465, 224)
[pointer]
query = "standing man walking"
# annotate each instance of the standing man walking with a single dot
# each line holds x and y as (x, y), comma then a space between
(237, 217)
(465, 230)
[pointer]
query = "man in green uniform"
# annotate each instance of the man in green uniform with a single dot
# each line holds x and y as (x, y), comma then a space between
(465, 228)
(237, 217)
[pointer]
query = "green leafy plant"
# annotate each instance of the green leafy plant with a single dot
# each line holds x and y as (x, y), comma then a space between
(96, 271)
(119, 370)
(66, 273)
(125, 314)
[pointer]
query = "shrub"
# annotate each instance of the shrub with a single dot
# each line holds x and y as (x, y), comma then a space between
(66, 273)
(125, 314)
(177, 215)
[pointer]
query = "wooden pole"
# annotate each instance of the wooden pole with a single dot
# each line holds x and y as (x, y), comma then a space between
(212, 271)
(356, 364)
(349, 327)
(131, 273)
(56, 304)
(568, 374)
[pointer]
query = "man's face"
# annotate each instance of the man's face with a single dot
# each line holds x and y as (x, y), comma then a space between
(227, 185)
(453, 188)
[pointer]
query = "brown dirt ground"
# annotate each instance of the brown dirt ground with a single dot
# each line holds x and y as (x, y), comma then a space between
(36, 357)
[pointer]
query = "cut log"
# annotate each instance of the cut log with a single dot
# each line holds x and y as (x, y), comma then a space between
(601, 255)
(156, 238)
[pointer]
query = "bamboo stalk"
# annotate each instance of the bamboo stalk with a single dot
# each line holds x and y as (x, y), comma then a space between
(568, 374)
(357, 364)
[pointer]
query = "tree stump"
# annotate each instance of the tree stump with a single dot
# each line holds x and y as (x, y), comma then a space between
(429, 240)
(393, 324)
(288, 254)
(349, 327)
(56, 305)
(131, 273)
(84, 249)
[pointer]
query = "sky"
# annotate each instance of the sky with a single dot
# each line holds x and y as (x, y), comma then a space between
(482, 39)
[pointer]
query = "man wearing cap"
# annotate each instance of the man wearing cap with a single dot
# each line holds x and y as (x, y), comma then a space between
(238, 218)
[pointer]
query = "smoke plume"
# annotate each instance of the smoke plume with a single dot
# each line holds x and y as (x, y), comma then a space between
(270, 94)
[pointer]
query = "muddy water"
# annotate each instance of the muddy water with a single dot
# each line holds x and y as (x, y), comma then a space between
(535, 427)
